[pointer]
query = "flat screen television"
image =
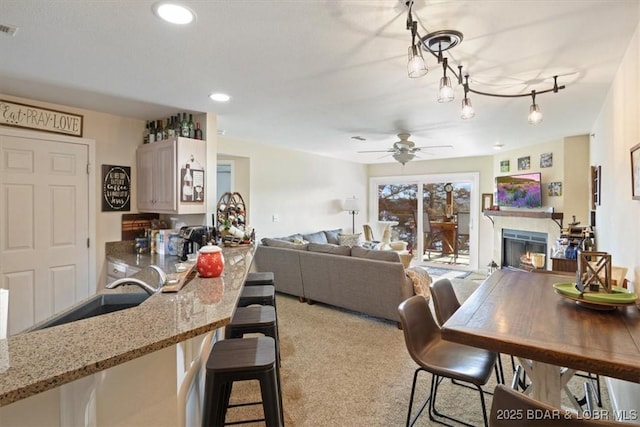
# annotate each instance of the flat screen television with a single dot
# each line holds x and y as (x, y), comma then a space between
(519, 191)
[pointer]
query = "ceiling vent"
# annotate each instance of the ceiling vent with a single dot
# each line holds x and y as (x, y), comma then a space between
(9, 30)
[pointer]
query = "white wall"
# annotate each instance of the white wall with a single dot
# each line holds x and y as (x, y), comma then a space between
(306, 191)
(616, 130)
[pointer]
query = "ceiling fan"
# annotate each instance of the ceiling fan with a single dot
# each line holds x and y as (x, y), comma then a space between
(404, 150)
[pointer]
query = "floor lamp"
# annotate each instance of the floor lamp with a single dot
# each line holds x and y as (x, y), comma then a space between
(351, 206)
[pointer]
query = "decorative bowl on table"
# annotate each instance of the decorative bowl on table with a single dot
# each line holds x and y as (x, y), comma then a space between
(601, 300)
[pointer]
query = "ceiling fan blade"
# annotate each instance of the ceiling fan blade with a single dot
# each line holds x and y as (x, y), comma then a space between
(377, 151)
(434, 146)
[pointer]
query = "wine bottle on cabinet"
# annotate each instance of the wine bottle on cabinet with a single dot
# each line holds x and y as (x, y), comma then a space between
(152, 131)
(184, 126)
(198, 132)
(145, 133)
(159, 136)
(192, 127)
(177, 129)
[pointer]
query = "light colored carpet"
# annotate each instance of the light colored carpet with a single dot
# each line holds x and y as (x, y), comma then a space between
(341, 368)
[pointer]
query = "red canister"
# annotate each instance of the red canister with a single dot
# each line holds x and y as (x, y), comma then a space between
(210, 261)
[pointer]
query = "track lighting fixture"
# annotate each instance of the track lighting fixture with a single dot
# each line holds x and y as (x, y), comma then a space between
(437, 43)
(535, 115)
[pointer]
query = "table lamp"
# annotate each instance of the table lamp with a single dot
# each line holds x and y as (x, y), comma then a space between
(352, 206)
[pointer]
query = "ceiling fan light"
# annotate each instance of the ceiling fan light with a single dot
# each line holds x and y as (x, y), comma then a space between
(467, 109)
(535, 115)
(416, 67)
(445, 94)
(403, 156)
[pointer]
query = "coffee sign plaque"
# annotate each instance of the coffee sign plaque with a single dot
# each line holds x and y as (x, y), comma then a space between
(116, 188)
(38, 118)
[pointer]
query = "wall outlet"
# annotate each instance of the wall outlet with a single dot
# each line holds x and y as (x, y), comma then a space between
(275, 218)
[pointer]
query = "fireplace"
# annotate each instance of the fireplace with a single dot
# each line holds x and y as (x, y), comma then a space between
(518, 244)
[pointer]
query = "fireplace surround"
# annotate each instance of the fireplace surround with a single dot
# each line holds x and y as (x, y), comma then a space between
(517, 245)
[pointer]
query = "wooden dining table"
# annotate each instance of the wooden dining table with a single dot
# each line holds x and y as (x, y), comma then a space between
(519, 313)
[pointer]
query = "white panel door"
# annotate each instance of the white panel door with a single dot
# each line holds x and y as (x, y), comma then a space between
(44, 227)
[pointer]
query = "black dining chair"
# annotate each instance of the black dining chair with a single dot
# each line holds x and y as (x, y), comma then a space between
(430, 236)
(440, 358)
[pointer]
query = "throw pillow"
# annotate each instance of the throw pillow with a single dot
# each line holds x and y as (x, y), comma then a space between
(328, 248)
(348, 239)
(332, 236)
(421, 281)
(318, 237)
(388, 256)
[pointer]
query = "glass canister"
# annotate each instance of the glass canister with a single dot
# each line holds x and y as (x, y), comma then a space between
(210, 262)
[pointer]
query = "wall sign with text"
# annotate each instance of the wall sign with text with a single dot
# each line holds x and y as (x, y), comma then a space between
(116, 188)
(38, 118)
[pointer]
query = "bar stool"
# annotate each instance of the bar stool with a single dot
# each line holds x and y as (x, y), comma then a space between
(257, 319)
(260, 278)
(258, 294)
(242, 359)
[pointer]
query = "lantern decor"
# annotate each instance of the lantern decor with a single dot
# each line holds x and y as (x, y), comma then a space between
(594, 272)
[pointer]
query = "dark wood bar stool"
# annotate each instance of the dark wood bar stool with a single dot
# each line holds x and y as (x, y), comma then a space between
(258, 294)
(242, 359)
(260, 278)
(256, 319)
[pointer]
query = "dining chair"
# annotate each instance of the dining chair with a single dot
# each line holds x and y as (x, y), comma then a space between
(440, 358)
(511, 408)
(430, 235)
(445, 303)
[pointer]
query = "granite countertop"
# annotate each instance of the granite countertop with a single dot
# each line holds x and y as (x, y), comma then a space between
(43, 359)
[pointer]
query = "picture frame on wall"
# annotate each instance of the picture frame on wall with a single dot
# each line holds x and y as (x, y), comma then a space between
(546, 160)
(635, 172)
(504, 166)
(487, 201)
(524, 163)
(554, 189)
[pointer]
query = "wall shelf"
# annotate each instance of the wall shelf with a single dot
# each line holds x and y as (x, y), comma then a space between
(557, 217)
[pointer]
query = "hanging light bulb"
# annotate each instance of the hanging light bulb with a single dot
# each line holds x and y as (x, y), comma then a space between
(445, 94)
(467, 108)
(535, 115)
(416, 67)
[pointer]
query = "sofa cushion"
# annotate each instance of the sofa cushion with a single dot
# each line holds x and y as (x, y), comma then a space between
(279, 243)
(295, 238)
(332, 236)
(389, 256)
(421, 280)
(349, 239)
(318, 237)
(328, 248)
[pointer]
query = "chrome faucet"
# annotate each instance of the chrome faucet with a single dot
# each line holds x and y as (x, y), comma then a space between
(144, 285)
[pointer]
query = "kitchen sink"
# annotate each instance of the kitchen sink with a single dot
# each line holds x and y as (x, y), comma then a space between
(95, 306)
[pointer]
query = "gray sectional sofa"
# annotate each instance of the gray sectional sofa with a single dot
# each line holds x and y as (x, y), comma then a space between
(367, 281)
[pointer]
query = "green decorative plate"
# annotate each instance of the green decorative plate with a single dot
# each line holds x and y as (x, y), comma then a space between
(619, 296)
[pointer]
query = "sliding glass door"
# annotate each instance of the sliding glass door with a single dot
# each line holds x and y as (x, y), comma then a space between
(450, 205)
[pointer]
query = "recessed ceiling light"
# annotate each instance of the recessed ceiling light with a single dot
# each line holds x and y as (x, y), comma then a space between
(220, 97)
(173, 13)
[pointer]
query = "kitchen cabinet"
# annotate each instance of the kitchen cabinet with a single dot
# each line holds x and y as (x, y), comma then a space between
(171, 176)
(118, 270)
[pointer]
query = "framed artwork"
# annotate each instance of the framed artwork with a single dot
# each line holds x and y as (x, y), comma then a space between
(554, 189)
(546, 160)
(595, 186)
(116, 188)
(504, 166)
(487, 201)
(635, 172)
(524, 163)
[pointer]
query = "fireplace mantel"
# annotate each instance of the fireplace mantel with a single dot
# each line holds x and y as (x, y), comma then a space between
(555, 216)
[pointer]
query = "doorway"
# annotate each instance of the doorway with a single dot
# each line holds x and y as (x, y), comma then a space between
(417, 204)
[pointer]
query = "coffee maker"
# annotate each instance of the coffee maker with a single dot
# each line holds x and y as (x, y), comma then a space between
(192, 238)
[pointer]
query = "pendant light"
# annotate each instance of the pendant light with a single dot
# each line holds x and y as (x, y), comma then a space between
(467, 108)
(445, 94)
(535, 115)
